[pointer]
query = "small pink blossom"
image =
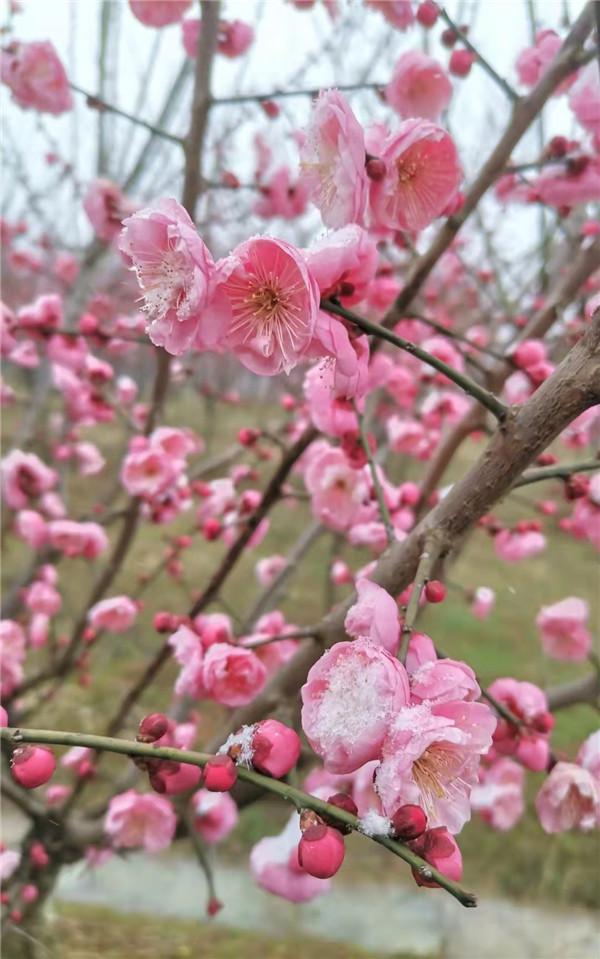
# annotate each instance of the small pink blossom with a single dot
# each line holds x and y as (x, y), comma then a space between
(584, 99)
(235, 37)
(215, 815)
(484, 599)
(36, 76)
(31, 527)
(343, 263)
(422, 176)
(419, 87)
(135, 820)
(149, 471)
(430, 758)
(443, 681)
(158, 13)
(175, 272)
(568, 799)
(564, 629)
(268, 305)
(45, 311)
(12, 656)
(116, 614)
(188, 652)
(280, 196)
(498, 797)
(533, 62)
(9, 861)
(399, 13)
(268, 569)
(528, 703)
(24, 477)
(106, 207)
(231, 675)
(350, 696)
(77, 539)
(589, 755)
(374, 616)
(332, 161)
(272, 655)
(42, 597)
(338, 492)
(513, 546)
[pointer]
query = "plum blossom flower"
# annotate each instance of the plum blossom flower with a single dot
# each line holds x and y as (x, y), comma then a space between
(268, 303)
(234, 38)
(24, 476)
(533, 62)
(106, 208)
(36, 76)
(135, 820)
(215, 815)
(563, 629)
(430, 758)
(9, 861)
(498, 797)
(115, 614)
(158, 13)
(483, 602)
(515, 545)
(275, 867)
(397, 12)
(272, 655)
(568, 799)
(268, 569)
(31, 527)
(528, 742)
(374, 616)
(443, 681)
(12, 656)
(188, 651)
(176, 274)
(332, 161)
(419, 87)
(338, 492)
(584, 99)
(231, 675)
(350, 696)
(343, 263)
(77, 539)
(422, 175)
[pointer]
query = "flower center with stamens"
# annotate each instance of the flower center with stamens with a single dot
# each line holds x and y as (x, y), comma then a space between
(407, 169)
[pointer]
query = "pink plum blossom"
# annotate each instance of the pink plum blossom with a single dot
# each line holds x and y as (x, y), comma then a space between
(443, 681)
(513, 545)
(235, 37)
(176, 274)
(584, 99)
(135, 820)
(568, 799)
(42, 597)
(564, 629)
(106, 207)
(430, 758)
(12, 656)
(9, 861)
(268, 305)
(77, 539)
(280, 196)
(422, 175)
(533, 62)
(374, 616)
(268, 569)
(484, 599)
(343, 263)
(36, 76)
(332, 161)
(116, 614)
(498, 796)
(350, 696)
(419, 87)
(528, 743)
(589, 755)
(272, 655)
(215, 815)
(338, 492)
(188, 652)
(158, 13)
(31, 527)
(24, 477)
(275, 867)
(399, 13)
(231, 675)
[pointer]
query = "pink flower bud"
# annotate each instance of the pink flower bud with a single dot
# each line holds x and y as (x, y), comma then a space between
(321, 851)
(152, 727)
(276, 748)
(375, 168)
(345, 802)
(214, 906)
(435, 592)
(211, 529)
(220, 774)
(270, 108)
(529, 353)
(38, 856)
(460, 62)
(165, 622)
(248, 436)
(544, 723)
(439, 849)
(409, 822)
(187, 777)
(427, 13)
(29, 893)
(32, 766)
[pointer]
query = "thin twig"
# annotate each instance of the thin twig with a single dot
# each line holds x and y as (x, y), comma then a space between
(431, 551)
(384, 512)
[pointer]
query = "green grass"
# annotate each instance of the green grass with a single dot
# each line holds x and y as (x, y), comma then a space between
(87, 932)
(525, 863)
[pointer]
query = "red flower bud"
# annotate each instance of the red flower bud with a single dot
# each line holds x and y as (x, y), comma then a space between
(164, 622)
(375, 168)
(461, 62)
(409, 822)
(32, 766)
(214, 906)
(38, 857)
(427, 13)
(321, 851)
(435, 592)
(152, 727)
(276, 748)
(220, 774)
(345, 802)
(248, 436)
(270, 108)
(211, 529)
(544, 723)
